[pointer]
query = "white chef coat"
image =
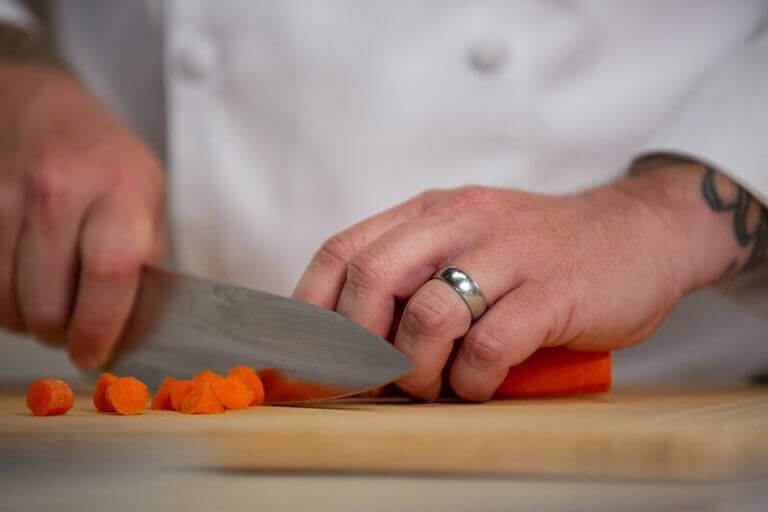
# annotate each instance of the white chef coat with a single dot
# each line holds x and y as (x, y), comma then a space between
(285, 121)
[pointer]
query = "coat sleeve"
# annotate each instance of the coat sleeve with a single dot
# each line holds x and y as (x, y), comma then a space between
(13, 12)
(723, 123)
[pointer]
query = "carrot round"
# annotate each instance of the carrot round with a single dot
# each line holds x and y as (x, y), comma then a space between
(128, 395)
(99, 395)
(202, 400)
(277, 388)
(162, 399)
(252, 380)
(233, 393)
(49, 397)
(557, 371)
(179, 390)
(280, 388)
(206, 376)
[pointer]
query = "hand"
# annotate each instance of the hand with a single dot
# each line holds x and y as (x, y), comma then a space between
(594, 271)
(81, 209)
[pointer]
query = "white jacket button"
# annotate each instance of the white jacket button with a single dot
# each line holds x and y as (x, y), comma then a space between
(487, 56)
(196, 58)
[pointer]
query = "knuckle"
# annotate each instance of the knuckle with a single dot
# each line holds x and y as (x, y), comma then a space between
(483, 346)
(48, 187)
(336, 251)
(472, 197)
(369, 268)
(428, 197)
(469, 198)
(130, 180)
(428, 312)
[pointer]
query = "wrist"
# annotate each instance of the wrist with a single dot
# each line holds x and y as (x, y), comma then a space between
(698, 240)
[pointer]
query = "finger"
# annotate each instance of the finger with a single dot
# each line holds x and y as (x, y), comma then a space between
(506, 335)
(117, 238)
(47, 253)
(437, 315)
(396, 265)
(10, 227)
(324, 277)
(434, 317)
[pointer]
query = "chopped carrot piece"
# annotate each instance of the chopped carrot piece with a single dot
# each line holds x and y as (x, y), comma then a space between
(206, 376)
(557, 371)
(276, 388)
(162, 399)
(49, 397)
(252, 380)
(279, 388)
(99, 395)
(202, 400)
(128, 395)
(179, 390)
(232, 392)
(299, 391)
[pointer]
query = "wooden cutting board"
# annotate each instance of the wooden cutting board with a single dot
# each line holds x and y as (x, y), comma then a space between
(720, 435)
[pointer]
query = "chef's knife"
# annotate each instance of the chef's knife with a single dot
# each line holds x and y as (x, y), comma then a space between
(181, 325)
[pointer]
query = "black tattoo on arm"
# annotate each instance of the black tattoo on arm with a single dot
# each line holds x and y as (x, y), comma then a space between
(18, 46)
(750, 217)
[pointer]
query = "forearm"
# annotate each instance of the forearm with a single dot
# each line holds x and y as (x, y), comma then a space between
(716, 228)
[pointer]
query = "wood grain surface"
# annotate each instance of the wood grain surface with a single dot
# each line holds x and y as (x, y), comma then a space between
(650, 435)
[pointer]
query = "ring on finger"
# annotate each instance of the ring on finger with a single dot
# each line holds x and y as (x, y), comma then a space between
(467, 289)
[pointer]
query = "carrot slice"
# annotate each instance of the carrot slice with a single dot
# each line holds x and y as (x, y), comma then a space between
(206, 376)
(233, 393)
(99, 395)
(279, 388)
(128, 395)
(252, 380)
(49, 397)
(202, 400)
(179, 390)
(299, 391)
(162, 398)
(276, 387)
(557, 371)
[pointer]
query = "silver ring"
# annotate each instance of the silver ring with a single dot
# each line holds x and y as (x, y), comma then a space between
(466, 288)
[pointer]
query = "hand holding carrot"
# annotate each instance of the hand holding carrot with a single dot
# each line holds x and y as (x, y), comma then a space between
(598, 270)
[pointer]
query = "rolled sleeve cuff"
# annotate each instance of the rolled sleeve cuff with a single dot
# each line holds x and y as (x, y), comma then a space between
(724, 124)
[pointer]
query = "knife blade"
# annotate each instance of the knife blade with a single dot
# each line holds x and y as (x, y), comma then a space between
(181, 325)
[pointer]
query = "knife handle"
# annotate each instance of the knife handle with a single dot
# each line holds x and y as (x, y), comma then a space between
(557, 371)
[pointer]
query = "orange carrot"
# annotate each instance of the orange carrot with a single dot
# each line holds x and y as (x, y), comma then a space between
(557, 371)
(279, 388)
(276, 387)
(206, 376)
(162, 398)
(300, 391)
(179, 390)
(232, 392)
(128, 395)
(202, 400)
(252, 380)
(99, 395)
(49, 397)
